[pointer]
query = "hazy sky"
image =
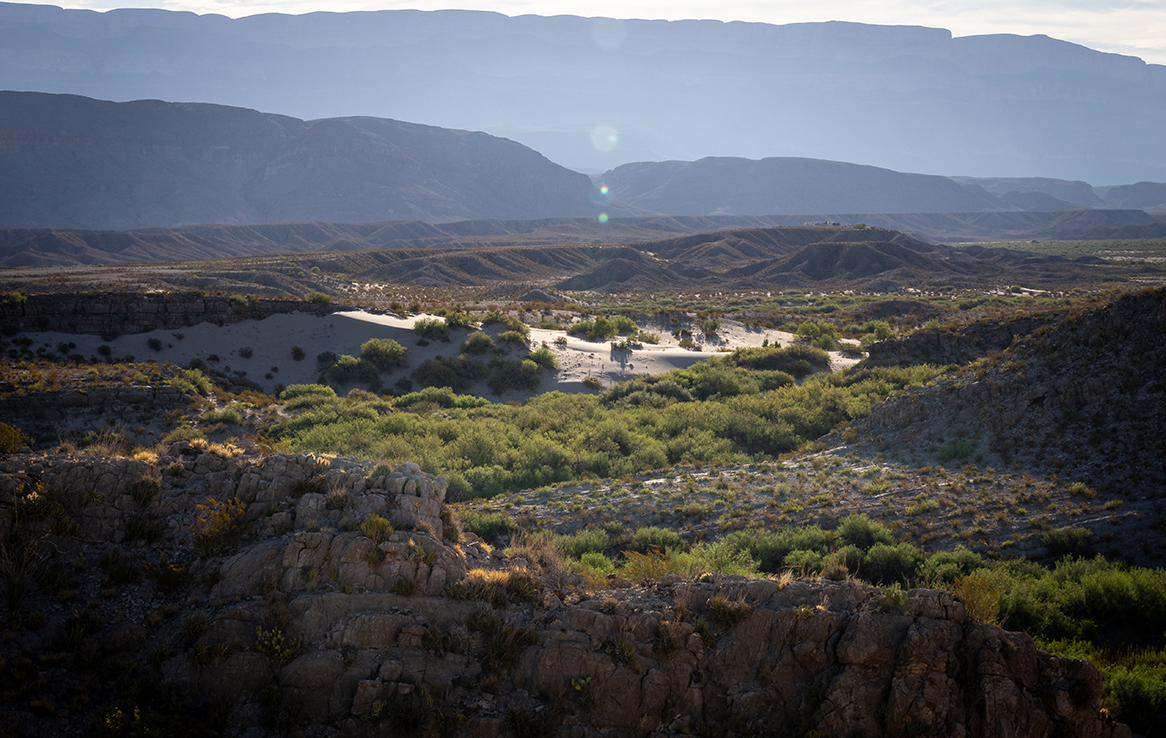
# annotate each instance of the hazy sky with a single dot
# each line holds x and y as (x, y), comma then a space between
(1134, 27)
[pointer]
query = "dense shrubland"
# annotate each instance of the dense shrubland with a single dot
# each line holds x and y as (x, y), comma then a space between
(730, 410)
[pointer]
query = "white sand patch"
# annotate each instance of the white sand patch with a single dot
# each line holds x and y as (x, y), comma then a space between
(271, 343)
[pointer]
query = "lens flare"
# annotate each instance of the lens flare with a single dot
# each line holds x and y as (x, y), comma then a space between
(603, 217)
(604, 137)
(603, 190)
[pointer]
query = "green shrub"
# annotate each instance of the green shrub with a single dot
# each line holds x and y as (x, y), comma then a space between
(457, 374)
(478, 343)
(442, 397)
(488, 526)
(959, 449)
(647, 538)
(431, 329)
(296, 391)
(384, 354)
(514, 338)
(457, 320)
(946, 566)
(796, 360)
(584, 541)
(821, 335)
(12, 439)
(318, 298)
(545, 358)
(861, 531)
(1068, 542)
(516, 375)
(192, 380)
(885, 563)
(226, 415)
(349, 370)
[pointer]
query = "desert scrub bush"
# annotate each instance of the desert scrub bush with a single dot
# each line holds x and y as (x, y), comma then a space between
(1134, 687)
(478, 343)
(798, 361)
(218, 526)
(384, 354)
(981, 600)
(708, 326)
(230, 416)
(819, 334)
(508, 643)
(726, 612)
(318, 298)
(275, 644)
(513, 375)
(169, 576)
(12, 439)
(375, 528)
(592, 383)
(958, 449)
(545, 358)
(431, 329)
(144, 489)
(440, 397)
(487, 526)
(651, 567)
(647, 538)
(498, 587)
(349, 370)
(556, 437)
(601, 327)
(1068, 542)
(155, 344)
(192, 380)
(593, 540)
(457, 374)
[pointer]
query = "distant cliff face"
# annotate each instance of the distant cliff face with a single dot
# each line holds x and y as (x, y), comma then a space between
(903, 97)
(74, 162)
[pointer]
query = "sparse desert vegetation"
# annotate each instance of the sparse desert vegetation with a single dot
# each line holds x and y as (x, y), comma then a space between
(771, 461)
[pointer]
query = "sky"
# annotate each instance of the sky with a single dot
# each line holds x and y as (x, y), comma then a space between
(1131, 27)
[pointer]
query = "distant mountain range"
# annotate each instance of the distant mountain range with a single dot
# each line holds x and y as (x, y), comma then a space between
(782, 185)
(595, 93)
(73, 162)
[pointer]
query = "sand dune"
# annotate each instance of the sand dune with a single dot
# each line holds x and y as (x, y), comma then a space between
(271, 343)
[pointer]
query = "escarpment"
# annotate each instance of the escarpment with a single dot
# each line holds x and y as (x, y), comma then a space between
(296, 594)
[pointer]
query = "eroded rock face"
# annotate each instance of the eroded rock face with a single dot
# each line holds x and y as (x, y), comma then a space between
(310, 625)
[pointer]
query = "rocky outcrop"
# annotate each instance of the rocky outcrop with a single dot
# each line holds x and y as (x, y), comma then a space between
(314, 622)
(958, 346)
(836, 658)
(115, 313)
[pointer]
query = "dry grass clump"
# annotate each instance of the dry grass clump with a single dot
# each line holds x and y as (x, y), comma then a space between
(375, 528)
(218, 526)
(499, 587)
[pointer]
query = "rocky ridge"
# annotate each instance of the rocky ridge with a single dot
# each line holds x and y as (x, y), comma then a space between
(307, 625)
